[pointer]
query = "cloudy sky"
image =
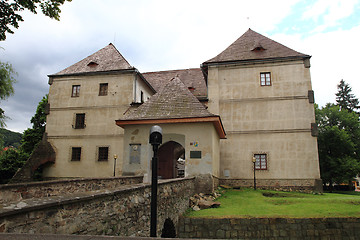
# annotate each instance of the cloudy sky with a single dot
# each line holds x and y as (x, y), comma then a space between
(158, 35)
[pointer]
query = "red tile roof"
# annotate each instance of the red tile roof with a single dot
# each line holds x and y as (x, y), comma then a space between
(193, 79)
(104, 60)
(254, 46)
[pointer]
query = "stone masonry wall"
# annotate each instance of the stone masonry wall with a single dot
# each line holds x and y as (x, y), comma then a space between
(124, 211)
(270, 228)
(20, 191)
(300, 185)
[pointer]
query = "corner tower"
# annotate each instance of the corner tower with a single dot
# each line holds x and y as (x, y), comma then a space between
(262, 91)
(85, 99)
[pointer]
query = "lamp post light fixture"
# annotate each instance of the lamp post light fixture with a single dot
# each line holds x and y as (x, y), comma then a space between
(155, 139)
(115, 157)
(254, 161)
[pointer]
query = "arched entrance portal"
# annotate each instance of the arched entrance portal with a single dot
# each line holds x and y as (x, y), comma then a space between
(169, 166)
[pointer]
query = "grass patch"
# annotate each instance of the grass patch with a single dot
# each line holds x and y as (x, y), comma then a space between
(263, 203)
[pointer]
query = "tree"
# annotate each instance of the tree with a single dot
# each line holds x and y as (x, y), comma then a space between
(32, 136)
(13, 159)
(345, 99)
(6, 86)
(339, 143)
(10, 161)
(10, 16)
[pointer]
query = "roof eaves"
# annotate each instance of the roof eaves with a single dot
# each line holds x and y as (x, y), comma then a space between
(260, 60)
(215, 119)
(130, 70)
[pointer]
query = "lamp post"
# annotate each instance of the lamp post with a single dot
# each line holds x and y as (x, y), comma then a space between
(115, 157)
(254, 161)
(155, 140)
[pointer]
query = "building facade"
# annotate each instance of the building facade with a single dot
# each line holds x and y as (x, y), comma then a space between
(257, 91)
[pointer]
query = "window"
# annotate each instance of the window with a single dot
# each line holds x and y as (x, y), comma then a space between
(142, 97)
(103, 154)
(76, 154)
(80, 120)
(260, 161)
(103, 90)
(75, 91)
(265, 79)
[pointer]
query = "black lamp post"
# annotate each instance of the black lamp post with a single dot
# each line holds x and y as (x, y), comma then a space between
(155, 140)
(115, 157)
(254, 161)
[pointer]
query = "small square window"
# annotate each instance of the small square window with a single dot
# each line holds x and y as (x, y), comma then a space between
(75, 91)
(76, 154)
(103, 154)
(265, 79)
(103, 89)
(260, 161)
(80, 120)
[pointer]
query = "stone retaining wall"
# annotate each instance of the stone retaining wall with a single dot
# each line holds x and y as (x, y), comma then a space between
(124, 211)
(270, 228)
(300, 185)
(20, 191)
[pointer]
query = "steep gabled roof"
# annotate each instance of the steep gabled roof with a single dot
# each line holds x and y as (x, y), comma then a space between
(254, 46)
(105, 60)
(173, 101)
(193, 79)
(173, 104)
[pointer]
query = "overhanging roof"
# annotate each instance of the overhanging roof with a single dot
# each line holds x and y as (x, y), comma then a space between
(215, 120)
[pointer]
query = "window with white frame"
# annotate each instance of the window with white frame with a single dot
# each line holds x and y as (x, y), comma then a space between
(261, 161)
(265, 79)
(75, 91)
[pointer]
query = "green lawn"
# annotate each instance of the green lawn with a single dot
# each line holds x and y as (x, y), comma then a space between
(249, 203)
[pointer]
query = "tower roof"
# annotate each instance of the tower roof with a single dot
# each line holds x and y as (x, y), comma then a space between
(105, 60)
(254, 46)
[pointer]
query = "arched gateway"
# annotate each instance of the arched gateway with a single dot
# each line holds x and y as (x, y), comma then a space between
(171, 157)
(191, 135)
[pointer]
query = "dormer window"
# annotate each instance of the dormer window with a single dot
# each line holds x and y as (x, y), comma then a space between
(92, 64)
(258, 47)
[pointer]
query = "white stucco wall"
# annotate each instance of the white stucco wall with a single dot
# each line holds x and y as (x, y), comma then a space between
(186, 134)
(100, 131)
(275, 120)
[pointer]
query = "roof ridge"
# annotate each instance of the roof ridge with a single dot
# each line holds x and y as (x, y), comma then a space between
(119, 53)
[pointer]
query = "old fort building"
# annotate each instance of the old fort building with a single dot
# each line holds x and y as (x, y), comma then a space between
(252, 102)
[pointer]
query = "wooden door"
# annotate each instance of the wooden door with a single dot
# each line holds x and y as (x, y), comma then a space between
(166, 166)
